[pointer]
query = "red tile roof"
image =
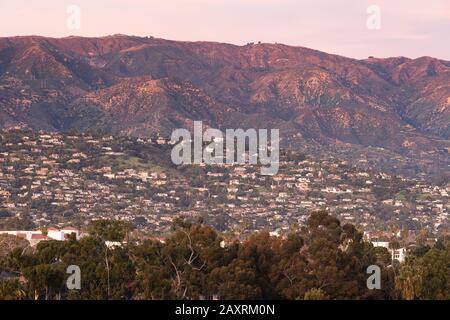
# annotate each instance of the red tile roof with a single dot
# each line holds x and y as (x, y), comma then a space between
(69, 229)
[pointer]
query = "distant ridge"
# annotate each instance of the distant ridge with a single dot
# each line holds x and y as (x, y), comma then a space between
(140, 85)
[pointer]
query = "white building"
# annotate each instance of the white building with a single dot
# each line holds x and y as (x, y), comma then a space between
(62, 234)
(382, 244)
(396, 254)
(34, 237)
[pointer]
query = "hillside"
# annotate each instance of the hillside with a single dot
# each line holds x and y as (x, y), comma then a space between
(138, 86)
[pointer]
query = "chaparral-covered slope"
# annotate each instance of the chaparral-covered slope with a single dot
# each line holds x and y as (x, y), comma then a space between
(139, 86)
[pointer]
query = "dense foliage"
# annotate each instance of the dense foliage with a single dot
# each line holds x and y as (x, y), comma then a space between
(323, 260)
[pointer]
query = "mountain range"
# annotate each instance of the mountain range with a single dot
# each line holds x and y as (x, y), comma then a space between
(140, 86)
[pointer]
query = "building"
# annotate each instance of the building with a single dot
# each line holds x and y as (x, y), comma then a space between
(382, 244)
(396, 254)
(62, 234)
(34, 237)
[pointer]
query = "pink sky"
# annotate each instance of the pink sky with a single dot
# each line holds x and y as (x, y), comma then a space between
(410, 28)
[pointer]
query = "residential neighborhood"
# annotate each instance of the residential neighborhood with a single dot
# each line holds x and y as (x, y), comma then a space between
(55, 180)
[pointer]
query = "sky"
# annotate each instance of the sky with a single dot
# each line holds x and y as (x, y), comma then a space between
(353, 28)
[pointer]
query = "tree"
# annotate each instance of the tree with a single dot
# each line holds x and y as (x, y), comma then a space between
(11, 289)
(236, 281)
(106, 273)
(8, 243)
(435, 267)
(154, 277)
(43, 280)
(251, 271)
(323, 260)
(315, 294)
(191, 253)
(109, 230)
(409, 281)
(426, 277)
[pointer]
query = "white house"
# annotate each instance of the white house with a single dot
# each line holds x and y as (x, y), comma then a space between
(383, 244)
(396, 254)
(34, 237)
(62, 234)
